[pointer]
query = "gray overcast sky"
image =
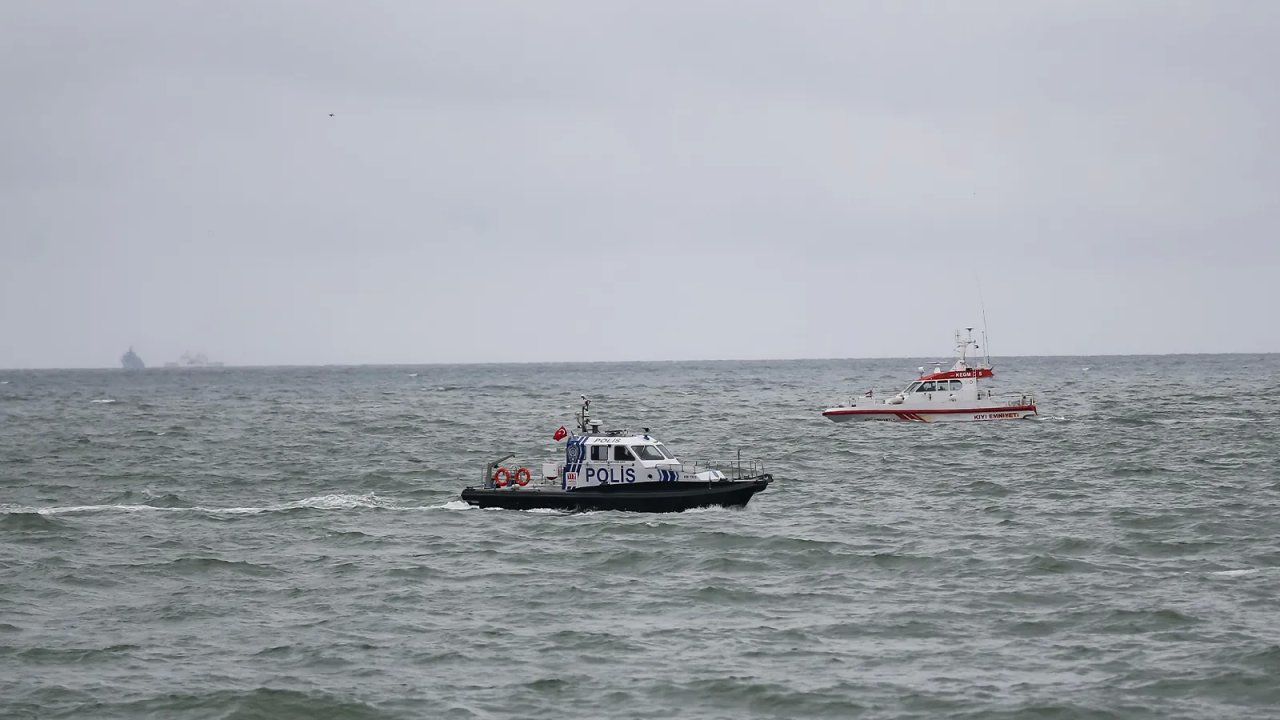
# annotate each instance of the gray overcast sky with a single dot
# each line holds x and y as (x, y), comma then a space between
(634, 180)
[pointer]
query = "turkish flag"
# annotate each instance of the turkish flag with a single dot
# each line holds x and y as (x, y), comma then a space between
(560, 434)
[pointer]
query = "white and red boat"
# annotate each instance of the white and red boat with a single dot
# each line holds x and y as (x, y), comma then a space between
(942, 396)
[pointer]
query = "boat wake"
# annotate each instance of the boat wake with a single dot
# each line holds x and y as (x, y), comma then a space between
(368, 501)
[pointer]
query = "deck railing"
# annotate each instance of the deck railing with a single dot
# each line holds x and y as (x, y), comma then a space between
(733, 470)
(879, 400)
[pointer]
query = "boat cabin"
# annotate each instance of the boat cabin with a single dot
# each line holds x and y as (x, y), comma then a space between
(642, 449)
(958, 383)
(939, 389)
(613, 458)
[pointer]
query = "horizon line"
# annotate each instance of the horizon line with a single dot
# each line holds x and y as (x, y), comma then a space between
(226, 366)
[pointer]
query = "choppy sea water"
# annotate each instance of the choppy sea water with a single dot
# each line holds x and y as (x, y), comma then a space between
(288, 543)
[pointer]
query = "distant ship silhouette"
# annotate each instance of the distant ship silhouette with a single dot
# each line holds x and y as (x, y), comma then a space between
(131, 361)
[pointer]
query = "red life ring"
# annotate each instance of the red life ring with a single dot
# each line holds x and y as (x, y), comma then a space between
(501, 477)
(523, 476)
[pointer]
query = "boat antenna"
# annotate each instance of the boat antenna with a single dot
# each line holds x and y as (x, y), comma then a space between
(986, 349)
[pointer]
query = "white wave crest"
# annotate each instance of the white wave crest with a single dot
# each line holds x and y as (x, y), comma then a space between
(451, 505)
(103, 401)
(73, 509)
(340, 502)
(708, 509)
(1237, 573)
(318, 502)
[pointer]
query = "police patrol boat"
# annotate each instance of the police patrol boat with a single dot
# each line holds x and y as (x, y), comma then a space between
(941, 396)
(616, 470)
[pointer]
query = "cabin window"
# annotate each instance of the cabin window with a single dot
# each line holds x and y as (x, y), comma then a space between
(955, 385)
(620, 452)
(600, 453)
(647, 452)
(911, 388)
(665, 452)
(925, 387)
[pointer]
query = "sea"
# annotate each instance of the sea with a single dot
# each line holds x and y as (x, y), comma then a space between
(278, 543)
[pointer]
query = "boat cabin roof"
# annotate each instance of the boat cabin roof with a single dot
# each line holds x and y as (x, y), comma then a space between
(618, 439)
(624, 448)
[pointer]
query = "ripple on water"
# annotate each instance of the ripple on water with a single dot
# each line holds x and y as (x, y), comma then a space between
(197, 566)
(746, 694)
(1140, 621)
(252, 704)
(17, 524)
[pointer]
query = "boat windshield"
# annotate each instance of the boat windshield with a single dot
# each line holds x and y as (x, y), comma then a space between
(665, 452)
(648, 452)
(911, 388)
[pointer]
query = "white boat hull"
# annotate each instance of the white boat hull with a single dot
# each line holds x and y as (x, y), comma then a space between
(903, 413)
